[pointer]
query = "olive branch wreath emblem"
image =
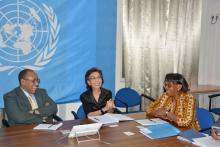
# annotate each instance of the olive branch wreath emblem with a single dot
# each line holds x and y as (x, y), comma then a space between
(49, 50)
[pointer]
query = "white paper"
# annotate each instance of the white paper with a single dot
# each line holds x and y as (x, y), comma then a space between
(206, 142)
(129, 133)
(120, 117)
(48, 126)
(104, 119)
(84, 130)
(154, 121)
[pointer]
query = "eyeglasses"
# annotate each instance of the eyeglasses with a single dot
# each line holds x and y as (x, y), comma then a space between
(34, 80)
(168, 84)
(94, 78)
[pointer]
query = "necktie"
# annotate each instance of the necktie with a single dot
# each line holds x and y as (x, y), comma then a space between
(32, 102)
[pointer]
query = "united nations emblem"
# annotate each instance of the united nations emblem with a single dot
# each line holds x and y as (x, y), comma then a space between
(28, 35)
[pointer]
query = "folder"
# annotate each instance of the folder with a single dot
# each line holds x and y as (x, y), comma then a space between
(160, 131)
(189, 135)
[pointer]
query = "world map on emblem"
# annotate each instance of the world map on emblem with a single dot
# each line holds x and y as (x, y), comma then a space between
(24, 30)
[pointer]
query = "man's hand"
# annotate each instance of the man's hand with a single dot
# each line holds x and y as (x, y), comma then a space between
(47, 104)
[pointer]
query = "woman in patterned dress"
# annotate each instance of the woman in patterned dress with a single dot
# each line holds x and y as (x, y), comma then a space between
(176, 104)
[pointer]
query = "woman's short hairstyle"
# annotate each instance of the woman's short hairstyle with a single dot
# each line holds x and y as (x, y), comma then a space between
(177, 78)
(89, 72)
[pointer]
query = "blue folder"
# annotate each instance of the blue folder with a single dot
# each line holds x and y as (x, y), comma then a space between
(189, 135)
(160, 131)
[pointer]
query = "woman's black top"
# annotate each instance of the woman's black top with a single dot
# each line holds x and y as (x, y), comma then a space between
(89, 102)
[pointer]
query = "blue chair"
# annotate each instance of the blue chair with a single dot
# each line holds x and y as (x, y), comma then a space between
(205, 119)
(127, 97)
(80, 114)
(214, 110)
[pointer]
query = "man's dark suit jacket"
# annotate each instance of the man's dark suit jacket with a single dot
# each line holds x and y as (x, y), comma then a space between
(17, 106)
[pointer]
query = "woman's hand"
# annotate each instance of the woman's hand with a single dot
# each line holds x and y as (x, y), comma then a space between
(161, 112)
(109, 105)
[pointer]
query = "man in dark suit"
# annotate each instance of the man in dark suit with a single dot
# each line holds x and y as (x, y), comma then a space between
(28, 104)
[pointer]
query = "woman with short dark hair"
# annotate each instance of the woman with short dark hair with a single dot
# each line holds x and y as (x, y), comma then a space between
(96, 100)
(176, 104)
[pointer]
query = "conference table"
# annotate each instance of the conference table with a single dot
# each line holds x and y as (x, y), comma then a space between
(25, 136)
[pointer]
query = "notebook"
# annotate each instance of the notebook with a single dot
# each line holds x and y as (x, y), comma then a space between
(48, 126)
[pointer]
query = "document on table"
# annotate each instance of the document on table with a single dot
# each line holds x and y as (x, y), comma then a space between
(206, 142)
(108, 118)
(48, 126)
(153, 121)
(85, 130)
(120, 117)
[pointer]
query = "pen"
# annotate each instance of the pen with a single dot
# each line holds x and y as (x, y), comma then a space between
(50, 126)
(152, 120)
(96, 119)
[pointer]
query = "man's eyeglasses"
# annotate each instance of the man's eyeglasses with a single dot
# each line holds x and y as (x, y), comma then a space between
(34, 80)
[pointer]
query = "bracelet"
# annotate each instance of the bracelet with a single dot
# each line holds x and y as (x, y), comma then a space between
(102, 111)
(166, 113)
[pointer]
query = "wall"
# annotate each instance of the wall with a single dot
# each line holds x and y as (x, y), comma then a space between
(209, 70)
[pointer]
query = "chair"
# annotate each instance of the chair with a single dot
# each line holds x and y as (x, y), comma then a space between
(57, 118)
(80, 114)
(127, 97)
(4, 120)
(214, 110)
(205, 119)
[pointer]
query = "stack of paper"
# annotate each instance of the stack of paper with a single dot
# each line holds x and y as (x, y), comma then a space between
(109, 118)
(154, 121)
(48, 126)
(189, 135)
(159, 131)
(206, 142)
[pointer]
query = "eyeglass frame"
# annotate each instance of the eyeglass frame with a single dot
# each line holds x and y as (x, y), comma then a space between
(33, 81)
(94, 78)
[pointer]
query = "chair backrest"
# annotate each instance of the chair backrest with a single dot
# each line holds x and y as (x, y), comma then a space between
(80, 112)
(4, 119)
(217, 109)
(205, 118)
(128, 96)
(57, 118)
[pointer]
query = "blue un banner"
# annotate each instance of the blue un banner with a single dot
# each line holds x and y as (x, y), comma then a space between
(54, 38)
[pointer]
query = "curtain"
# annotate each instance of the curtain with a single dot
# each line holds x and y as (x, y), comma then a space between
(160, 36)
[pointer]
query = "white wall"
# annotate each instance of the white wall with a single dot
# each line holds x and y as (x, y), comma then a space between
(209, 71)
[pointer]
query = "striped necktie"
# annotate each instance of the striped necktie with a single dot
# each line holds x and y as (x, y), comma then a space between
(32, 102)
